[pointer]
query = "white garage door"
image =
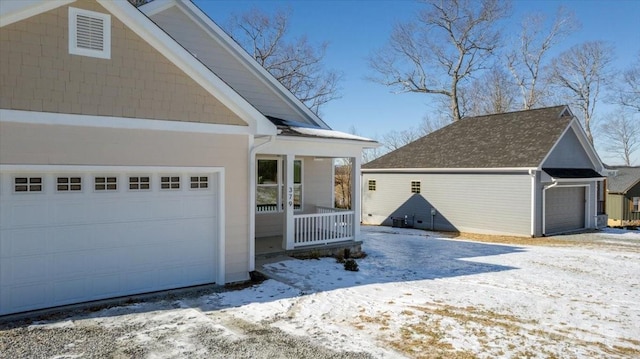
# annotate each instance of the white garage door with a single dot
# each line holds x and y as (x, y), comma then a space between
(565, 209)
(69, 237)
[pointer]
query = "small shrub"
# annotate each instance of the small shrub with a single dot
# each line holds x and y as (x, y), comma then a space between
(339, 257)
(351, 265)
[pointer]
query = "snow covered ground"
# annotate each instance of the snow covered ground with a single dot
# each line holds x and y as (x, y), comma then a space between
(416, 295)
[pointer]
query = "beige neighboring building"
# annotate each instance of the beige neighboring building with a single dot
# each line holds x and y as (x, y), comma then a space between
(129, 165)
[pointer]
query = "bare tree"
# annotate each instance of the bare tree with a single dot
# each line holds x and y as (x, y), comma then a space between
(525, 60)
(622, 133)
(493, 92)
(296, 64)
(582, 72)
(446, 44)
(628, 90)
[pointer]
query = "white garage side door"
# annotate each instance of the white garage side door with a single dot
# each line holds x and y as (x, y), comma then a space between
(70, 237)
(564, 209)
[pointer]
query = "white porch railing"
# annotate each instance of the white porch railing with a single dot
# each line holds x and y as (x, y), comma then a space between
(327, 226)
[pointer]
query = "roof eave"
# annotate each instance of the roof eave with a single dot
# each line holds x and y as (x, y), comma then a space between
(239, 53)
(479, 170)
(174, 52)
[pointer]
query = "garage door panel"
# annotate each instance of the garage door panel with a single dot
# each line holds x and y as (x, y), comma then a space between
(27, 213)
(66, 291)
(564, 209)
(61, 248)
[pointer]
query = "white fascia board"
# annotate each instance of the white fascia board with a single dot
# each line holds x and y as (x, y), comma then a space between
(328, 141)
(63, 119)
(106, 169)
(576, 180)
(452, 170)
(15, 10)
(179, 56)
(194, 12)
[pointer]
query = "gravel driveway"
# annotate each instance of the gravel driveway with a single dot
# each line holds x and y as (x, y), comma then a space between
(197, 335)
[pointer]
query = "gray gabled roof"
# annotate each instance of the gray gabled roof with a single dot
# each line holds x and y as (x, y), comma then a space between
(508, 140)
(623, 180)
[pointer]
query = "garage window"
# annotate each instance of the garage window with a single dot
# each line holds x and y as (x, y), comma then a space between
(170, 182)
(636, 204)
(415, 186)
(139, 183)
(66, 184)
(28, 184)
(199, 182)
(105, 183)
(372, 185)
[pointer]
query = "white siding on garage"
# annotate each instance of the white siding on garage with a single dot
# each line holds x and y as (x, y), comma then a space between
(480, 203)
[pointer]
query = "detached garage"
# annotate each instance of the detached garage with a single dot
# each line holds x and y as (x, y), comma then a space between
(70, 234)
(526, 173)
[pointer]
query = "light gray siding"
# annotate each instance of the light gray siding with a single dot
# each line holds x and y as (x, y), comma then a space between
(479, 203)
(568, 153)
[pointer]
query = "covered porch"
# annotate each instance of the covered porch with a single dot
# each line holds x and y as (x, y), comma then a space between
(294, 208)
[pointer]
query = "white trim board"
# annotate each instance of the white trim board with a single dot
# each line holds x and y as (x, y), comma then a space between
(63, 119)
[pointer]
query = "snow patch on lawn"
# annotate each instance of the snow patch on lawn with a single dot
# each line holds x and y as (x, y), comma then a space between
(418, 293)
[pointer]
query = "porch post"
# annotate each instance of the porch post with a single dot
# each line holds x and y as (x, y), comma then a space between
(288, 230)
(355, 194)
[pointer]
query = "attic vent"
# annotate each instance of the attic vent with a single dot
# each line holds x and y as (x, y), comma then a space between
(89, 33)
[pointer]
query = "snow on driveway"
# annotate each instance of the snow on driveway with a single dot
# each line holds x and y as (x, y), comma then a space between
(416, 295)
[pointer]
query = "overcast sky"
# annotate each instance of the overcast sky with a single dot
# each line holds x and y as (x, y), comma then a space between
(354, 29)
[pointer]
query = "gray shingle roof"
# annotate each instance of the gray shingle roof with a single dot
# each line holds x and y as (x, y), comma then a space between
(625, 179)
(514, 139)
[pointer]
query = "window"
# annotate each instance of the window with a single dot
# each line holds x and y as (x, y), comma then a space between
(139, 183)
(199, 182)
(27, 184)
(270, 190)
(170, 182)
(66, 184)
(415, 186)
(297, 184)
(267, 188)
(372, 185)
(89, 33)
(636, 204)
(105, 183)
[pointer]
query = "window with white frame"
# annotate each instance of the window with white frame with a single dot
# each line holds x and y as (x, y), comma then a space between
(415, 186)
(105, 183)
(636, 204)
(89, 33)
(270, 191)
(268, 182)
(69, 184)
(199, 182)
(27, 184)
(170, 182)
(372, 185)
(139, 183)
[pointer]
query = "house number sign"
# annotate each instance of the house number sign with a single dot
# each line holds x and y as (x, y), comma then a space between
(290, 192)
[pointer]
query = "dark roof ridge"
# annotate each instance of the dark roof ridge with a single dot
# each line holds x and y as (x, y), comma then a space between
(516, 111)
